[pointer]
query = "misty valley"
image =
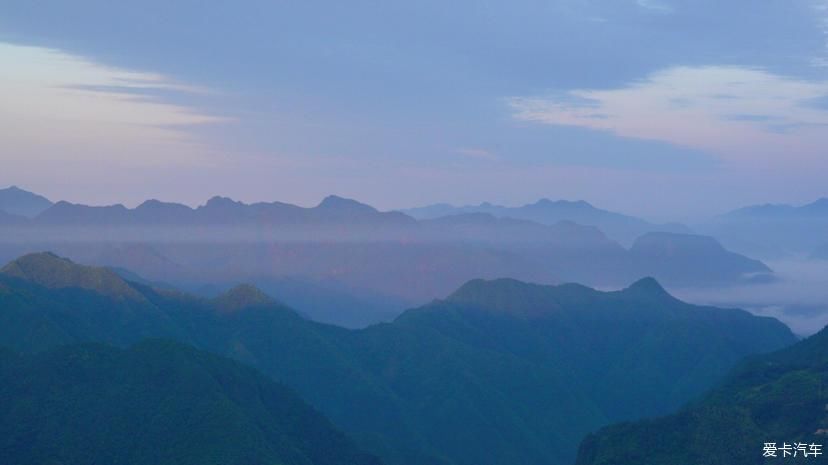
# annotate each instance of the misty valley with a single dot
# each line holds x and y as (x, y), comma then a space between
(269, 333)
(502, 232)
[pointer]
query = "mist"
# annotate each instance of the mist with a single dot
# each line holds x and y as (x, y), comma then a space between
(798, 297)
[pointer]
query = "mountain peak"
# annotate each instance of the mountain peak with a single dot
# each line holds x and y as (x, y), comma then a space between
(155, 203)
(647, 287)
(219, 201)
(820, 204)
(563, 203)
(17, 201)
(334, 202)
(647, 284)
(507, 296)
(241, 297)
(49, 270)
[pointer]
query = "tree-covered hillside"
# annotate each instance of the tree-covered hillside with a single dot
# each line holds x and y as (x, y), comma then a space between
(500, 373)
(765, 403)
(158, 402)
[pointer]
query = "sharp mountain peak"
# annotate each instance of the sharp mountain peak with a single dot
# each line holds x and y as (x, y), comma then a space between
(242, 296)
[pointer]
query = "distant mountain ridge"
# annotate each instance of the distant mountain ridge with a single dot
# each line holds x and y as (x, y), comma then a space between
(818, 207)
(18, 202)
(442, 378)
(620, 227)
(773, 230)
(344, 249)
(218, 211)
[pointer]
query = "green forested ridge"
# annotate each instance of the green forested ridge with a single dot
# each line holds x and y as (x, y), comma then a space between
(500, 373)
(775, 398)
(158, 402)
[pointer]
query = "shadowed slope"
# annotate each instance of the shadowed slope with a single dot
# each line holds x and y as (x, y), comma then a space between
(525, 369)
(778, 398)
(160, 403)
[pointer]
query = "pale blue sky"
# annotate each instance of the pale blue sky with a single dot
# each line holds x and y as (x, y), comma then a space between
(665, 108)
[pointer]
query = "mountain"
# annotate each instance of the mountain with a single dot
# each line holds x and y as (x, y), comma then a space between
(330, 301)
(7, 219)
(241, 297)
(355, 251)
(694, 260)
(818, 208)
(501, 372)
(157, 402)
(55, 272)
(776, 398)
(622, 228)
(16, 201)
(635, 351)
(342, 249)
(221, 211)
(773, 230)
(487, 228)
(66, 213)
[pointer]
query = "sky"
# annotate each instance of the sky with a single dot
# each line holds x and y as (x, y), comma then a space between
(669, 109)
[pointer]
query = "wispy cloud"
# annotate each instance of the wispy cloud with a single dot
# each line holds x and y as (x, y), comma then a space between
(55, 105)
(716, 108)
(655, 5)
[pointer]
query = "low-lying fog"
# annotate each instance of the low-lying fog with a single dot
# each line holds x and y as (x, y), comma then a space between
(799, 297)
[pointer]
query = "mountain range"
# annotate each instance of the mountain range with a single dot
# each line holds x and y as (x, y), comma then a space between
(21, 203)
(773, 230)
(220, 211)
(620, 227)
(525, 369)
(361, 265)
(766, 402)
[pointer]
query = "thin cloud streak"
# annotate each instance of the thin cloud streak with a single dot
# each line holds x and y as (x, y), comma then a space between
(730, 111)
(54, 104)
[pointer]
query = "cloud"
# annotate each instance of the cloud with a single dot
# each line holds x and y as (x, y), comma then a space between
(655, 5)
(799, 298)
(56, 106)
(731, 111)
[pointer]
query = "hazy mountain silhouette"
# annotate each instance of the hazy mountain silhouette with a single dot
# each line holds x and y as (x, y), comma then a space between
(693, 260)
(776, 398)
(357, 265)
(157, 402)
(221, 211)
(525, 369)
(16, 201)
(773, 230)
(622, 228)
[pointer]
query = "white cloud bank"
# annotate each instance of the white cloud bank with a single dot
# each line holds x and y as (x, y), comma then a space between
(738, 113)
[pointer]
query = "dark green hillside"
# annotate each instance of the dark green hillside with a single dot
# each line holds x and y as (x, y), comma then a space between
(53, 272)
(778, 398)
(156, 403)
(500, 373)
(636, 352)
